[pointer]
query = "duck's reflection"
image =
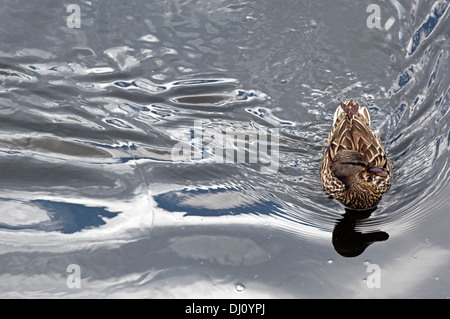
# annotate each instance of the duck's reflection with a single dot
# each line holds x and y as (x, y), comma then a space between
(349, 242)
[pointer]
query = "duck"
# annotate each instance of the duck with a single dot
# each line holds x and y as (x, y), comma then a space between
(355, 169)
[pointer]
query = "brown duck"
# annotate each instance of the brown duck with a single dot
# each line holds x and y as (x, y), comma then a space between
(355, 169)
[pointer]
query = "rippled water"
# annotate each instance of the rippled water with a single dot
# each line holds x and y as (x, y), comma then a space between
(110, 133)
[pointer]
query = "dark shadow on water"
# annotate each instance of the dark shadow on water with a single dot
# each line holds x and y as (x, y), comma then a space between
(349, 242)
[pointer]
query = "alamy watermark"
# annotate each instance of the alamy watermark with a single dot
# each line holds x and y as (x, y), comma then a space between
(73, 21)
(230, 146)
(74, 277)
(374, 18)
(374, 279)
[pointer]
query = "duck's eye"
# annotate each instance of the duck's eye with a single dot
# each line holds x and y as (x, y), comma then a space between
(369, 178)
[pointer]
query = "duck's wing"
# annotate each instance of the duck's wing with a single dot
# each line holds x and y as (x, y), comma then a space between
(340, 137)
(352, 130)
(366, 141)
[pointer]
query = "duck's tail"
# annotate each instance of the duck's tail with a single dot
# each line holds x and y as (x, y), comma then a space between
(351, 108)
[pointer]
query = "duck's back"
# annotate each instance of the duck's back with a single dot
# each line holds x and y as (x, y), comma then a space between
(352, 130)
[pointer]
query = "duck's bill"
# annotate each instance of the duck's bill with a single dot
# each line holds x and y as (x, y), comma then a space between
(377, 171)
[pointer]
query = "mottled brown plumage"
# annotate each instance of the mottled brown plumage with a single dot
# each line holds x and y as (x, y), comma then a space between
(355, 169)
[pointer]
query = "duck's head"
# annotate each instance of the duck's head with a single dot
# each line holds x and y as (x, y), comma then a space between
(347, 165)
(359, 177)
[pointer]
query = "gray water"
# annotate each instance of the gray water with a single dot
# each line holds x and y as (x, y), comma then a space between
(95, 203)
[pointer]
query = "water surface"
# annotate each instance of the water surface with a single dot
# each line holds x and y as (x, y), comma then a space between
(90, 118)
